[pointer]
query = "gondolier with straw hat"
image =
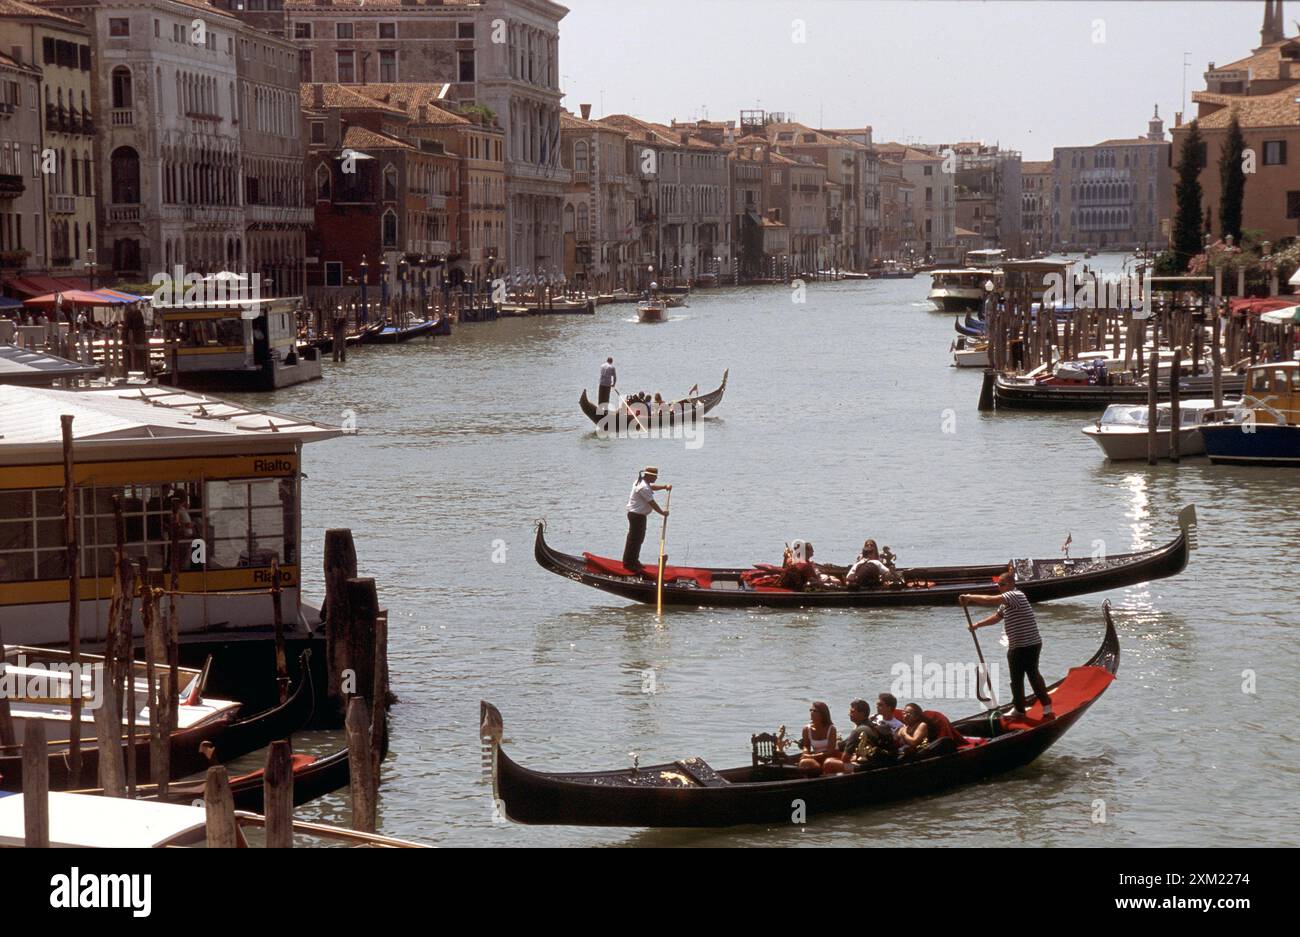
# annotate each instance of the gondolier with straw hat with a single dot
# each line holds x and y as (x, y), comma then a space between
(639, 505)
(1024, 643)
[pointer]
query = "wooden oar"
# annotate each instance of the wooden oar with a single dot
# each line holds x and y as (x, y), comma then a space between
(991, 698)
(622, 402)
(663, 536)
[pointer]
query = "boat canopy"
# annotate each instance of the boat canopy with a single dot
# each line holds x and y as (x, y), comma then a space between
(104, 822)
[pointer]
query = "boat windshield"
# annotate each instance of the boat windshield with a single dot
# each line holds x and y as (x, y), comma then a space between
(1124, 415)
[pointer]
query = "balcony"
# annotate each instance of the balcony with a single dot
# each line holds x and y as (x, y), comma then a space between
(278, 215)
(123, 214)
(123, 117)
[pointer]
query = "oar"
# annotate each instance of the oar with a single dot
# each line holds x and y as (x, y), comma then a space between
(663, 536)
(622, 402)
(991, 698)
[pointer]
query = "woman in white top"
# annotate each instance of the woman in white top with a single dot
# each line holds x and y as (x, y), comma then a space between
(819, 737)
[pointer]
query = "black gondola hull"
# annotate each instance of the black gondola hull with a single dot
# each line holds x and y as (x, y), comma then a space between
(1079, 577)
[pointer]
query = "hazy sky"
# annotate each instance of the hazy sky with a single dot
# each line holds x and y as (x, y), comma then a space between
(1029, 75)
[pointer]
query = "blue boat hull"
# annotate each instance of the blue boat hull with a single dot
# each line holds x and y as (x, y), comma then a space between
(1269, 444)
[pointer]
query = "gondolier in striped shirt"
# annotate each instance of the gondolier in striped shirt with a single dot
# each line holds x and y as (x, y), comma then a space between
(608, 378)
(639, 505)
(1024, 643)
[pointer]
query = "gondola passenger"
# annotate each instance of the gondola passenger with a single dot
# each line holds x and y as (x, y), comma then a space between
(915, 731)
(798, 571)
(864, 745)
(887, 713)
(869, 571)
(819, 737)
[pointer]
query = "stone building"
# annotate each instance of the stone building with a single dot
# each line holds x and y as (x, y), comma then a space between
(682, 183)
(1262, 90)
(476, 140)
(387, 197)
(59, 47)
(182, 89)
(934, 200)
(899, 239)
(1035, 208)
(21, 204)
(1114, 195)
(600, 238)
(986, 180)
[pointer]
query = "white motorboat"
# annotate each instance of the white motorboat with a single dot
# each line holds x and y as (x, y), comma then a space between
(1122, 430)
(958, 289)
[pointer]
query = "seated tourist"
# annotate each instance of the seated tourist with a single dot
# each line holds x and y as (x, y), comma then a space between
(798, 571)
(887, 713)
(869, 571)
(819, 738)
(915, 731)
(865, 745)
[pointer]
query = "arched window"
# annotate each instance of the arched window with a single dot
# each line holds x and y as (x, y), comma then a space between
(122, 87)
(580, 156)
(125, 168)
(582, 222)
(322, 183)
(390, 228)
(390, 183)
(568, 219)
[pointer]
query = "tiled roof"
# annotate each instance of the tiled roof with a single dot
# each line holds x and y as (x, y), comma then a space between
(1278, 109)
(901, 152)
(363, 139)
(316, 7)
(1031, 166)
(1263, 63)
(19, 9)
(574, 122)
(408, 97)
(342, 96)
(644, 130)
(800, 134)
(14, 63)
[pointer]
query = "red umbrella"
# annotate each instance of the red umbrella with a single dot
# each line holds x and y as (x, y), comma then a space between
(75, 298)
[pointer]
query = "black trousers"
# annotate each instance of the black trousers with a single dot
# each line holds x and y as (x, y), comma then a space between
(602, 396)
(635, 537)
(1023, 662)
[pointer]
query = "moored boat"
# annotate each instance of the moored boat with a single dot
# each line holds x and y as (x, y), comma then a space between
(690, 793)
(1265, 429)
(1040, 390)
(391, 333)
(726, 587)
(1122, 430)
(957, 290)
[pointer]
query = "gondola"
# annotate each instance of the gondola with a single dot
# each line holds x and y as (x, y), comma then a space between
(312, 777)
(1012, 392)
(227, 738)
(325, 343)
(972, 327)
(1040, 580)
(690, 793)
(390, 334)
(703, 403)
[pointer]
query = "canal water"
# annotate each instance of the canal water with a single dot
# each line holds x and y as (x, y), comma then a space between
(842, 420)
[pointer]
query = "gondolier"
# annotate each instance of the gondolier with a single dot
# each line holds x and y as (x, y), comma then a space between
(639, 505)
(608, 378)
(1024, 643)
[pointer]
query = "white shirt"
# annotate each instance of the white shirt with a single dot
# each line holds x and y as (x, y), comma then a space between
(893, 724)
(641, 499)
(607, 375)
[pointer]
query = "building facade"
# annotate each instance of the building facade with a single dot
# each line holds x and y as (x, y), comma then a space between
(1115, 195)
(1261, 90)
(934, 199)
(1035, 208)
(600, 242)
(59, 47)
(21, 204)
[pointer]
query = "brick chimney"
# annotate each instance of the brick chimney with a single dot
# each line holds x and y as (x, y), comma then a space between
(586, 111)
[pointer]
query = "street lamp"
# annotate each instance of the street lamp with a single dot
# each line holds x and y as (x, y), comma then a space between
(365, 307)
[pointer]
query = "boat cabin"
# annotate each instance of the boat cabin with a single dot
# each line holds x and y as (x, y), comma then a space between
(236, 471)
(236, 344)
(1277, 385)
(987, 257)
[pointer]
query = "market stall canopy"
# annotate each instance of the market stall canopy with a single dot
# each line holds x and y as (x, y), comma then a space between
(1288, 316)
(1260, 305)
(39, 284)
(78, 298)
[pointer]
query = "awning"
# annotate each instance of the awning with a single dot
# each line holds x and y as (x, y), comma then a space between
(76, 298)
(39, 284)
(1259, 305)
(1288, 315)
(35, 368)
(7, 303)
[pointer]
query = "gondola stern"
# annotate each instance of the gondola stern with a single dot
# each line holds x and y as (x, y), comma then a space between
(1107, 656)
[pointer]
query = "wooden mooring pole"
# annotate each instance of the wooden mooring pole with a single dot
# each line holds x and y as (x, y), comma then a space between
(277, 795)
(340, 566)
(36, 786)
(222, 831)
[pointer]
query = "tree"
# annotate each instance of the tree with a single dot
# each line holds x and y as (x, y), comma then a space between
(1187, 199)
(1232, 183)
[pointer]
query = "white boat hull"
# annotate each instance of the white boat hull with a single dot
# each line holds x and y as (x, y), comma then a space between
(1122, 444)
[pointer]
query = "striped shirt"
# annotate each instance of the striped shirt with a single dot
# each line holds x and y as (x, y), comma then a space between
(1018, 621)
